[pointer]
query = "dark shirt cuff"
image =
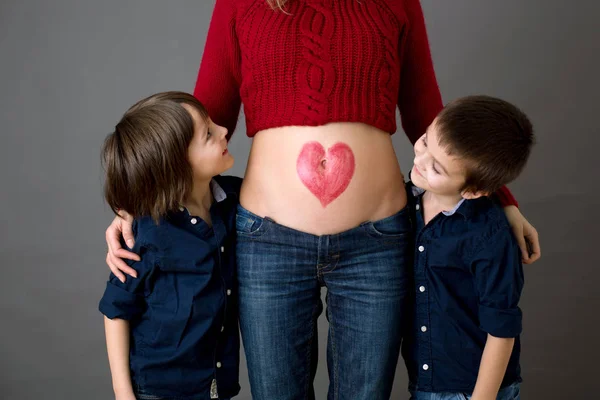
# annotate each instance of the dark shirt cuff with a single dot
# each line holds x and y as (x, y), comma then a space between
(119, 303)
(507, 323)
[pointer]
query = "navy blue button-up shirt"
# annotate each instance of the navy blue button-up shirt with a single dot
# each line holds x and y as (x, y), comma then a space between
(468, 280)
(182, 307)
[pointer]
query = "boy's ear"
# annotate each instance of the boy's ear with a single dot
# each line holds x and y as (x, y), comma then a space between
(472, 195)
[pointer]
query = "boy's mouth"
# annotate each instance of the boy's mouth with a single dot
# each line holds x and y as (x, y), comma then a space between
(417, 170)
(225, 151)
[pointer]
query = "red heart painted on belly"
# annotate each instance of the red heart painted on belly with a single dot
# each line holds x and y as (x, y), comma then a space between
(325, 173)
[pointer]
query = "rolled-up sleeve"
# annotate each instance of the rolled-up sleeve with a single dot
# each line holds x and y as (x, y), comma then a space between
(127, 300)
(498, 274)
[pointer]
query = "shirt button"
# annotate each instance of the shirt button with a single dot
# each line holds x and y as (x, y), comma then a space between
(421, 249)
(228, 292)
(218, 365)
(193, 221)
(181, 208)
(222, 249)
(423, 328)
(421, 289)
(417, 207)
(425, 367)
(222, 328)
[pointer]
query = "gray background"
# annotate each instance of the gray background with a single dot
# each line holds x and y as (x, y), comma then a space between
(69, 69)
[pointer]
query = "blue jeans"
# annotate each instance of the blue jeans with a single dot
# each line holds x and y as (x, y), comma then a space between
(281, 271)
(512, 392)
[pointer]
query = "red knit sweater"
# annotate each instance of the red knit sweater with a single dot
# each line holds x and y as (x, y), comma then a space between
(324, 61)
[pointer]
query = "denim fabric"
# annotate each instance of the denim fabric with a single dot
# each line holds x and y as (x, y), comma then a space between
(512, 392)
(141, 394)
(281, 272)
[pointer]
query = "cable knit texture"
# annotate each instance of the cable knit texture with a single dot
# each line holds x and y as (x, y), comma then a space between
(322, 61)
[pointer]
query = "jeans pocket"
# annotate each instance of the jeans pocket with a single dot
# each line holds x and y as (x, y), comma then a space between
(516, 391)
(512, 392)
(396, 226)
(249, 224)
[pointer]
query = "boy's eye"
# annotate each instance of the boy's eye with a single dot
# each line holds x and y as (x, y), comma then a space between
(434, 169)
(208, 135)
(424, 141)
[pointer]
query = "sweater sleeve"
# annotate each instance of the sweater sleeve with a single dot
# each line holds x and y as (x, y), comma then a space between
(419, 98)
(505, 197)
(219, 75)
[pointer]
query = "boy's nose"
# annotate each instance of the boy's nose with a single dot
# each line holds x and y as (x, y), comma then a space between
(419, 158)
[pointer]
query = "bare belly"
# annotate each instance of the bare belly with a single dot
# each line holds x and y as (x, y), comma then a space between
(323, 180)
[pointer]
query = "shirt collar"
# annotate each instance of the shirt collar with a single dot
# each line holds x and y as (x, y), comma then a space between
(218, 194)
(417, 191)
(217, 191)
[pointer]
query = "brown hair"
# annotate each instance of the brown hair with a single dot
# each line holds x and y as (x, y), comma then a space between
(145, 158)
(493, 136)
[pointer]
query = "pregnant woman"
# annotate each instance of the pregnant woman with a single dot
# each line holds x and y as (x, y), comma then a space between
(323, 199)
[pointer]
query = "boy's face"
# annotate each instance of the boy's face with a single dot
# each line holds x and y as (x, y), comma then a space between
(207, 152)
(434, 169)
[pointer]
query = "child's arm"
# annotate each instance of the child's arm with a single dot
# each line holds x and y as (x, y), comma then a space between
(121, 302)
(498, 278)
(117, 344)
(493, 367)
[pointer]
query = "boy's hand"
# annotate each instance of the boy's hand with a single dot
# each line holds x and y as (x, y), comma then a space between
(125, 392)
(125, 396)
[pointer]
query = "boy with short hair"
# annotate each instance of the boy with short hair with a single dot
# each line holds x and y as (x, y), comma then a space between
(468, 272)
